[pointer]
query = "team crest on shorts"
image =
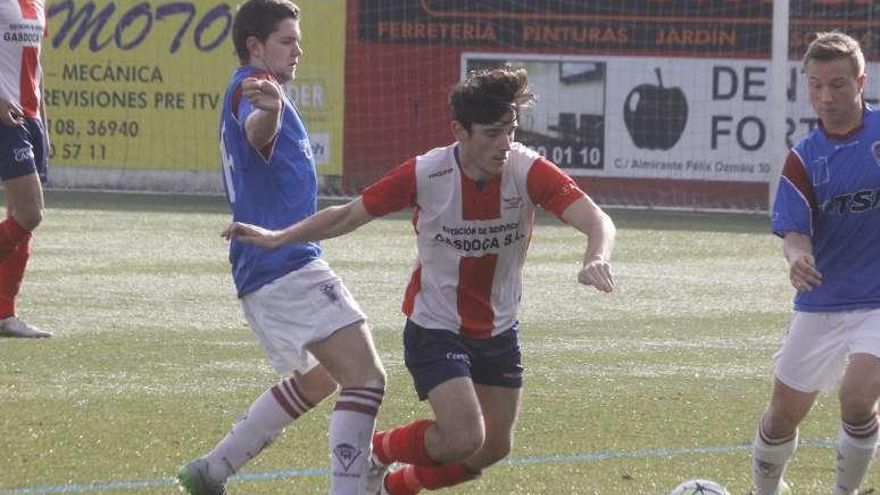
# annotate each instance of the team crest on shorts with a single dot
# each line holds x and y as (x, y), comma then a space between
(23, 154)
(346, 455)
(329, 290)
(875, 152)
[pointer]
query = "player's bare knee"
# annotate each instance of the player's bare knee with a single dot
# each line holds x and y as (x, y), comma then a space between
(376, 378)
(475, 437)
(29, 218)
(462, 447)
(375, 383)
(779, 423)
(461, 442)
(496, 451)
(371, 376)
(856, 407)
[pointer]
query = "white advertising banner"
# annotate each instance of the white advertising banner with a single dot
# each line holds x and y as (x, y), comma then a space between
(652, 117)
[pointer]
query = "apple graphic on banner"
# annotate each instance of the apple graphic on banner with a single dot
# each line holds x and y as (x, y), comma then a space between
(655, 116)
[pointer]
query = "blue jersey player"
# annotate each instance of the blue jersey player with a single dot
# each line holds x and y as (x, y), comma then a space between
(310, 327)
(827, 211)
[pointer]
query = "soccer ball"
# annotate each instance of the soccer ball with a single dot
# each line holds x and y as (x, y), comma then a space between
(699, 487)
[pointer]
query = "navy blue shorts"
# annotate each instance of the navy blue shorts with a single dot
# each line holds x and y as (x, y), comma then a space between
(23, 150)
(437, 356)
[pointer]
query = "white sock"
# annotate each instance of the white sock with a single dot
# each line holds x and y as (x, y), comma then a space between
(351, 433)
(856, 447)
(769, 458)
(263, 422)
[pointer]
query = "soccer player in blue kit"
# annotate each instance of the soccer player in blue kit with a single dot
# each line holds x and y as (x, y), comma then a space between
(827, 212)
(309, 325)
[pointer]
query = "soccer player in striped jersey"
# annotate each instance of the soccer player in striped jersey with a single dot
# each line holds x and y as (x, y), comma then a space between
(474, 203)
(312, 330)
(827, 211)
(24, 146)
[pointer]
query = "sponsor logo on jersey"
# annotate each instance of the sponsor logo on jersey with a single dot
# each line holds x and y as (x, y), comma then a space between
(857, 202)
(441, 173)
(512, 202)
(306, 147)
(28, 38)
(480, 238)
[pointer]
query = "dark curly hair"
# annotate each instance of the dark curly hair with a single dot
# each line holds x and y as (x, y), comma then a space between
(488, 96)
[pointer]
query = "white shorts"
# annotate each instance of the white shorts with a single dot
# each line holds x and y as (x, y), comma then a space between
(815, 350)
(304, 306)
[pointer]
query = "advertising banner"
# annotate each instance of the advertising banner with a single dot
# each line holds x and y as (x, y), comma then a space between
(605, 72)
(139, 85)
(733, 27)
(645, 117)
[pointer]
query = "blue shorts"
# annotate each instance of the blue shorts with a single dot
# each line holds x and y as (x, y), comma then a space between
(23, 150)
(437, 356)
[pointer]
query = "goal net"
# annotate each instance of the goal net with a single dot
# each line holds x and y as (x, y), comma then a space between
(647, 103)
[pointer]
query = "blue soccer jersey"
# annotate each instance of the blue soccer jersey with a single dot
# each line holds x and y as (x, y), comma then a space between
(830, 191)
(272, 187)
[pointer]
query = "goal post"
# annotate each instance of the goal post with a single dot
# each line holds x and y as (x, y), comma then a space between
(779, 62)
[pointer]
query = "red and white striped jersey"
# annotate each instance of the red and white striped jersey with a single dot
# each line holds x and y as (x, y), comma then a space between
(22, 26)
(471, 238)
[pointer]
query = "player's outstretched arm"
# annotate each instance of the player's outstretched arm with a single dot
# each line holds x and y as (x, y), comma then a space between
(330, 222)
(802, 272)
(262, 124)
(587, 217)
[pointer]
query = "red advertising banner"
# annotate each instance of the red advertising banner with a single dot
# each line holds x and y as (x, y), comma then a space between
(595, 64)
(738, 28)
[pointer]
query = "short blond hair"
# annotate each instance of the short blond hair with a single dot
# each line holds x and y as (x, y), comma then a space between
(835, 45)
